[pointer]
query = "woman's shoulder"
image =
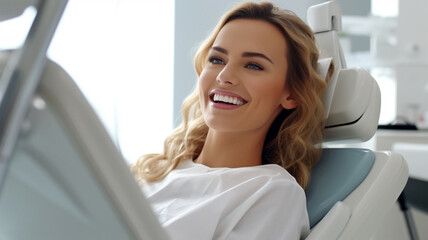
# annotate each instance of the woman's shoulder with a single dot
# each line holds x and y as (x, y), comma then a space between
(194, 177)
(271, 171)
(276, 179)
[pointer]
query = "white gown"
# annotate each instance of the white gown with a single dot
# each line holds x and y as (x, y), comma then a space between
(198, 202)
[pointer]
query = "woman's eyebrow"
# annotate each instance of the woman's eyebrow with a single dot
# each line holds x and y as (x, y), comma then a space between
(254, 54)
(245, 54)
(220, 49)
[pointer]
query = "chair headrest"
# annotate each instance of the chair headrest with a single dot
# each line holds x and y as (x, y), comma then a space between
(352, 98)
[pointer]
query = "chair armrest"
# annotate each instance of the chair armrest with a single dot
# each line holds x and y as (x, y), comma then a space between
(332, 224)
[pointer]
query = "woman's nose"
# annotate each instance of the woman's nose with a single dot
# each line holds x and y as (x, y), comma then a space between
(227, 76)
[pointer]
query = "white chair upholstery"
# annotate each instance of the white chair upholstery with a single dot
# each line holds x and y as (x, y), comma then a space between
(356, 186)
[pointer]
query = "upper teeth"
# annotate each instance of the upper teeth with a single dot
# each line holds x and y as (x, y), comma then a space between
(228, 99)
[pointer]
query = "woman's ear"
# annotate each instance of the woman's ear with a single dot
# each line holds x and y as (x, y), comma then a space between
(289, 102)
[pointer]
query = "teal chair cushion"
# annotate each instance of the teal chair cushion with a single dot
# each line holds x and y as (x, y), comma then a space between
(334, 177)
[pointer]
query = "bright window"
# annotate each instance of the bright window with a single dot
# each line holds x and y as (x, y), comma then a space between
(120, 53)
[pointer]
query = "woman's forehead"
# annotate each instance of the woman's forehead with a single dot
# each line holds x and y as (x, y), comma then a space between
(251, 35)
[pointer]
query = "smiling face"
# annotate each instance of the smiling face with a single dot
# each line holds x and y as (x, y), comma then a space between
(242, 86)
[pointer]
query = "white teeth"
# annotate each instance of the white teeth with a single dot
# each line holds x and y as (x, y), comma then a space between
(227, 99)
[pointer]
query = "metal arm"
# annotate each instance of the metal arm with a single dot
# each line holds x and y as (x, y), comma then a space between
(21, 76)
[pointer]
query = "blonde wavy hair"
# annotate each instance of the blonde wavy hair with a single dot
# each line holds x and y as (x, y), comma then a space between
(293, 137)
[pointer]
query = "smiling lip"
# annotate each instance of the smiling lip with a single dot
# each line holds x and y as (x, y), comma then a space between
(226, 100)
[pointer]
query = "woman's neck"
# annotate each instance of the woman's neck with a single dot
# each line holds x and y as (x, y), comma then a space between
(231, 150)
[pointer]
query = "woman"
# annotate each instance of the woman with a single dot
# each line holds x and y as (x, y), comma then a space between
(237, 165)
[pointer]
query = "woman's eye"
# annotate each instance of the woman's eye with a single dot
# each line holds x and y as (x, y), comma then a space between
(215, 60)
(254, 66)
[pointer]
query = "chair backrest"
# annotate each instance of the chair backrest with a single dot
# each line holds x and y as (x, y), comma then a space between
(355, 177)
(350, 167)
(352, 104)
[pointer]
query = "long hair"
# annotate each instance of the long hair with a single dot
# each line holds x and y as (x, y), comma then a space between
(293, 137)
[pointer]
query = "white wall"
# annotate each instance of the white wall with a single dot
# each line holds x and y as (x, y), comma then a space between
(412, 67)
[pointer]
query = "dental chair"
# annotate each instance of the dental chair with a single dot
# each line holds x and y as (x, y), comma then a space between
(351, 189)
